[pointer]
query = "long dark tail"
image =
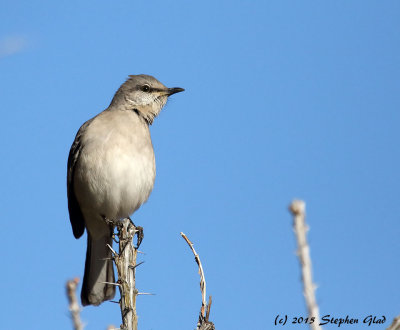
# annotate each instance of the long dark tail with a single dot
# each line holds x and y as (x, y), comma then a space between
(98, 269)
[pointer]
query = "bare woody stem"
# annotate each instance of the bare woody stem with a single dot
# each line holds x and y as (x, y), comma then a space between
(73, 303)
(204, 323)
(297, 207)
(395, 324)
(125, 262)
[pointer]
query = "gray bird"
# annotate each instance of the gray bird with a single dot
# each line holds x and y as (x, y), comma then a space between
(111, 172)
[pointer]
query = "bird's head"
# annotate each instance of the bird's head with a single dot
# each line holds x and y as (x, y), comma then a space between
(144, 94)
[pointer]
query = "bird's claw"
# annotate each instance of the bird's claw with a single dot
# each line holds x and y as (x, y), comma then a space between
(140, 235)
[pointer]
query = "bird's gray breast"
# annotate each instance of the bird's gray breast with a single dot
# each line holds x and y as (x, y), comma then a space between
(116, 169)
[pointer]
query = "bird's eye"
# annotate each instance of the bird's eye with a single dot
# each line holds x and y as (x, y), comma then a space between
(146, 88)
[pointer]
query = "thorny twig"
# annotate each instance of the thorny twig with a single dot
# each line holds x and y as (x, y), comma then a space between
(125, 261)
(297, 207)
(395, 324)
(204, 323)
(73, 303)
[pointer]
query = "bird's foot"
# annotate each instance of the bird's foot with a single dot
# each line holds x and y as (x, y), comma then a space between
(112, 224)
(139, 233)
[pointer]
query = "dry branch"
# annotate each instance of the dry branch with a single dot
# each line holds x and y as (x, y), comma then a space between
(297, 207)
(125, 261)
(395, 324)
(204, 323)
(73, 303)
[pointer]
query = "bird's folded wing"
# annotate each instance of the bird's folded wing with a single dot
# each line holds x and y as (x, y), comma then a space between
(75, 213)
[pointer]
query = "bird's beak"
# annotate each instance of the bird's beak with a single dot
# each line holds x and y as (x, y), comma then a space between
(174, 90)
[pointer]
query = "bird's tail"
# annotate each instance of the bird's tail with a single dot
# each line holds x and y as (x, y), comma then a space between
(98, 269)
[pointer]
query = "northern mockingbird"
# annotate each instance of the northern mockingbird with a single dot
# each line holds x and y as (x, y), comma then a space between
(111, 172)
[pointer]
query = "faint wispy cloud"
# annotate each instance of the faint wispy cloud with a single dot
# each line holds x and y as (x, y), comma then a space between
(11, 45)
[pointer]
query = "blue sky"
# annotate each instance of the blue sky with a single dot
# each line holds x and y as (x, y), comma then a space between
(283, 99)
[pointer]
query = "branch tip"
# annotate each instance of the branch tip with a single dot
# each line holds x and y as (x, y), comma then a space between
(74, 307)
(297, 207)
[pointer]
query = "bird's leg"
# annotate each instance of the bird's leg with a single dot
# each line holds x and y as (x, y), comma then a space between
(139, 233)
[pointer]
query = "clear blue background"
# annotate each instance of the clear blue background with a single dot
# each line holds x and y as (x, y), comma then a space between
(283, 99)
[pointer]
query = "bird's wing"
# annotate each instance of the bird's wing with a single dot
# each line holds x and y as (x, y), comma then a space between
(75, 213)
